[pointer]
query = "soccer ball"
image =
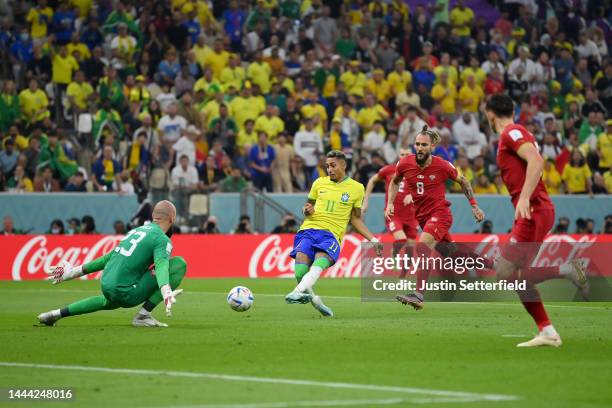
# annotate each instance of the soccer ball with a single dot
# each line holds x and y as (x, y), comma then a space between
(240, 298)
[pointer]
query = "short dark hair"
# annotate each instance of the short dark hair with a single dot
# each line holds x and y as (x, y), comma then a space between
(501, 105)
(336, 154)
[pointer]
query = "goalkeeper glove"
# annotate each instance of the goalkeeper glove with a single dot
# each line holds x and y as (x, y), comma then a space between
(169, 296)
(63, 272)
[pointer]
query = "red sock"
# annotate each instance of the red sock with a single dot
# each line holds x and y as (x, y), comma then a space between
(537, 311)
(533, 304)
(398, 244)
(539, 274)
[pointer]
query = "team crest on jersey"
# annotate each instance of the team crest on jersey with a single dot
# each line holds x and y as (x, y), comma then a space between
(344, 198)
(432, 176)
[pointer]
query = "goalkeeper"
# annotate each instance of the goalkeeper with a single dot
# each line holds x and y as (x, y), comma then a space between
(127, 279)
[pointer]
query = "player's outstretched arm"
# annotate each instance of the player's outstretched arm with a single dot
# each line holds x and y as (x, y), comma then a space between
(466, 186)
(360, 227)
(66, 271)
(368, 191)
(535, 165)
(393, 190)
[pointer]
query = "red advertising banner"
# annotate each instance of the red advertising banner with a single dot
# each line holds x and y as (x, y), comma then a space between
(26, 257)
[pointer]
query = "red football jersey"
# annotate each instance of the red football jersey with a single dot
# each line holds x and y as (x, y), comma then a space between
(428, 185)
(514, 169)
(387, 173)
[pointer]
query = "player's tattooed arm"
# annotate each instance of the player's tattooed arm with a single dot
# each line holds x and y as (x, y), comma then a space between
(466, 186)
(308, 207)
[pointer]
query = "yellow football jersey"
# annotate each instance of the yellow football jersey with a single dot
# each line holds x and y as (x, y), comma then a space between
(334, 203)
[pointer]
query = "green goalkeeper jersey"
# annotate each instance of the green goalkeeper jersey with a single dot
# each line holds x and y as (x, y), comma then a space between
(135, 253)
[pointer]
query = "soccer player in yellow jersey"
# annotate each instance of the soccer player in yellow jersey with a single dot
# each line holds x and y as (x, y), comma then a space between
(333, 202)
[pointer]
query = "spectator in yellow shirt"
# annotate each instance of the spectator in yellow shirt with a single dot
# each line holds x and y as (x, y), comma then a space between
(576, 94)
(378, 86)
(79, 93)
(470, 95)
(604, 147)
(551, 177)
(201, 50)
(233, 74)
(484, 186)
(76, 46)
(446, 67)
(63, 66)
(247, 137)
(370, 113)
(244, 107)
(461, 19)
(211, 109)
(270, 123)
(39, 18)
(34, 103)
(501, 186)
(577, 175)
(474, 69)
(217, 59)
(464, 169)
(354, 81)
(399, 79)
(445, 94)
(312, 107)
(259, 72)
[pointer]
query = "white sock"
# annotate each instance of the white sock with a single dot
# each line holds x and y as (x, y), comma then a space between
(549, 330)
(565, 269)
(309, 279)
(143, 311)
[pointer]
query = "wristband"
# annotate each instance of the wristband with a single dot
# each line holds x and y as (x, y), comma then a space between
(166, 291)
(473, 202)
(374, 239)
(78, 271)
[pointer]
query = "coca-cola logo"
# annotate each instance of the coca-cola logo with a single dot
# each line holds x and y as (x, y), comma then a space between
(271, 259)
(35, 257)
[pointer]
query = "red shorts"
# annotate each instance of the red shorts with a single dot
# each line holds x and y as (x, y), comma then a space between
(527, 236)
(438, 225)
(408, 225)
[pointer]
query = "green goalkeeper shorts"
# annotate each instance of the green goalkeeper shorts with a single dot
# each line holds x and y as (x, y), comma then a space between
(132, 295)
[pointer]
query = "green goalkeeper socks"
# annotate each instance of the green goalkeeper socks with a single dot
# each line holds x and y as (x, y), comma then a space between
(89, 305)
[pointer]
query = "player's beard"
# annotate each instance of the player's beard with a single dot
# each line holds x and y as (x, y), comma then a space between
(423, 158)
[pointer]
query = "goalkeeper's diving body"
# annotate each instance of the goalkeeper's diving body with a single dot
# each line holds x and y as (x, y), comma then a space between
(333, 202)
(128, 280)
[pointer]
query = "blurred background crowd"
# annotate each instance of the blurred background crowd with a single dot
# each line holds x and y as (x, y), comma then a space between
(190, 96)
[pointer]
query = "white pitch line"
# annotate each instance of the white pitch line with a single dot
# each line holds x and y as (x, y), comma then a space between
(515, 335)
(289, 404)
(285, 381)
(51, 290)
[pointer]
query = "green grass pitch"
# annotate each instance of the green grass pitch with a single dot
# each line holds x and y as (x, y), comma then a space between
(277, 355)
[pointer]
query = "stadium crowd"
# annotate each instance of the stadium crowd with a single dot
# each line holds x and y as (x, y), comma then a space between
(187, 96)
